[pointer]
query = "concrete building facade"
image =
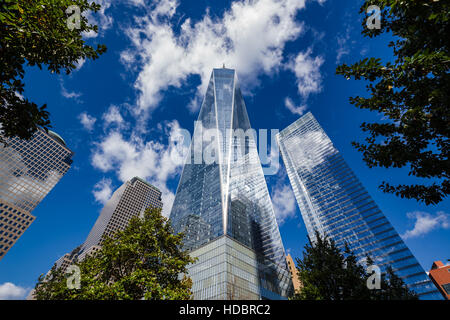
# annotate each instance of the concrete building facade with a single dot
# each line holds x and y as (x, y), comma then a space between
(129, 200)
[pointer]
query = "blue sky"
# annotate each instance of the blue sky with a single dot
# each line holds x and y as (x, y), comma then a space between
(116, 113)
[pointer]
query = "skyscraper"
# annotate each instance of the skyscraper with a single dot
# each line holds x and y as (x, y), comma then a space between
(223, 205)
(29, 169)
(333, 201)
(129, 200)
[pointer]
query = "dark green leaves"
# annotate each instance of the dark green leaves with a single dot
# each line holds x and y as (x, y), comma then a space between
(412, 94)
(327, 273)
(144, 261)
(35, 33)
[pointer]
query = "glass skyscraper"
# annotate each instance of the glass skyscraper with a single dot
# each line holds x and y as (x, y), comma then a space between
(223, 206)
(333, 201)
(29, 169)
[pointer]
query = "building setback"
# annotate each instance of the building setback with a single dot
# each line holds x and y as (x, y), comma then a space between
(224, 207)
(333, 201)
(29, 169)
(129, 200)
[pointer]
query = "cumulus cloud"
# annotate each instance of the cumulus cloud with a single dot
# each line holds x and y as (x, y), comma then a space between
(307, 72)
(103, 190)
(167, 49)
(10, 291)
(249, 37)
(299, 110)
(426, 222)
(112, 116)
(87, 121)
(133, 156)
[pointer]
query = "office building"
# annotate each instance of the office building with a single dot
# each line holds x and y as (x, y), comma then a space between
(294, 273)
(29, 169)
(223, 206)
(440, 275)
(129, 200)
(333, 201)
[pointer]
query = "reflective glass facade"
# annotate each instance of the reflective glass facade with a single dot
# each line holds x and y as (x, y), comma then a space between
(225, 270)
(222, 194)
(29, 169)
(333, 201)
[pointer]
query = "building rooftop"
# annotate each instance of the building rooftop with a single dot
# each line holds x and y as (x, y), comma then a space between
(143, 181)
(57, 137)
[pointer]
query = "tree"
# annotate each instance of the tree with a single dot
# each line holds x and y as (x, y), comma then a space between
(412, 94)
(393, 288)
(37, 33)
(144, 261)
(327, 273)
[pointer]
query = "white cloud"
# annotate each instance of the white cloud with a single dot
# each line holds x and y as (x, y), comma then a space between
(283, 198)
(136, 2)
(343, 44)
(112, 116)
(426, 222)
(100, 18)
(132, 156)
(67, 94)
(79, 64)
(292, 108)
(307, 72)
(164, 8)
(103, 190)
(249, 37)
(284, 203)
(343, 49)
(364, 51)
(9, 291)
(87, 121)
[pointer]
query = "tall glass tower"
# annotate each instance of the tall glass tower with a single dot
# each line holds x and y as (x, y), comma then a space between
(223, 205)
(333, 201)
(29, 169)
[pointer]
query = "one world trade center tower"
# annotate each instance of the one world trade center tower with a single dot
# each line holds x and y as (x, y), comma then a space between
(223, 206)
